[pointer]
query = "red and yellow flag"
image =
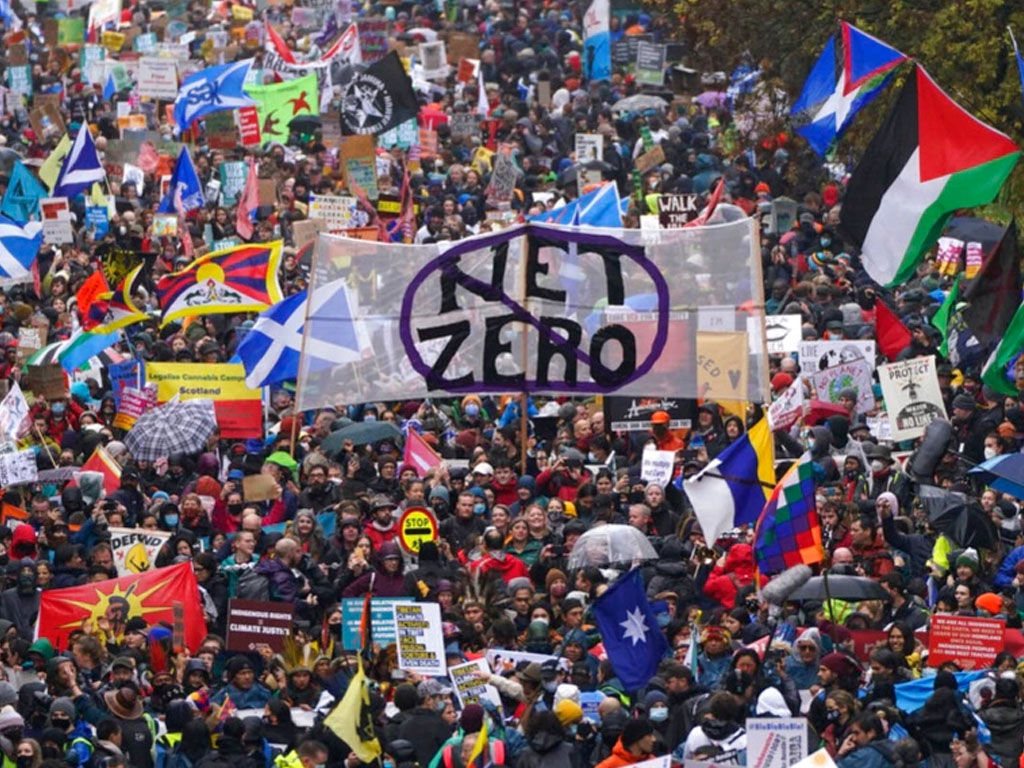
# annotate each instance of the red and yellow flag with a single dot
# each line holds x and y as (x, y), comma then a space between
(110, 604)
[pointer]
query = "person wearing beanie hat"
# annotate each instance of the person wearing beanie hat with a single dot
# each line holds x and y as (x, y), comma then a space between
(719, 736)
(243, 688)
(568, 712)
(634, 745)
(781, 381)
(989, 605)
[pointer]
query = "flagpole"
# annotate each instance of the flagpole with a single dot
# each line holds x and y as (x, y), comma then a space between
(43, 441)
(523, 426)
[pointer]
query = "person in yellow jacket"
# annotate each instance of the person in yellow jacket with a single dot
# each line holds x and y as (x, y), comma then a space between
(309, 754)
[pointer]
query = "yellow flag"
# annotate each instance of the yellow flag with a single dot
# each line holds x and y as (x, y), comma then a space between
(480, 746)
(351, 720)
(50, 169)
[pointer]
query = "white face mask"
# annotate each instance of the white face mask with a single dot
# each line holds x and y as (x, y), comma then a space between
(990, 453)
(877, 465)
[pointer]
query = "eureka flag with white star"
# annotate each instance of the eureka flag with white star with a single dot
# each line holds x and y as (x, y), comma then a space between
(633, 641)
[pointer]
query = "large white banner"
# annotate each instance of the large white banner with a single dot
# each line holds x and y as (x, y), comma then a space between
(534, 308)
(913, 399)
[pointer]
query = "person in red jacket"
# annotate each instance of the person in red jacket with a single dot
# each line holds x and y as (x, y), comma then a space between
(735, 571)
(564, 478)
(497, 560)
(505, 483)
(634, 745)
(382, 526)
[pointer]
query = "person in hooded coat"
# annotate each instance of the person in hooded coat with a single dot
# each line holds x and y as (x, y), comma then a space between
(936, 723)
(20, 603)
(386, 580)
(496, 560)
(735, 572)
(718, 737)
(804, 660)
(670, 572)
(1005, 720)
(546, 744)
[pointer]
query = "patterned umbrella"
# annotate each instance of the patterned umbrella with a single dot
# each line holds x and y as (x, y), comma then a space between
(173, 427)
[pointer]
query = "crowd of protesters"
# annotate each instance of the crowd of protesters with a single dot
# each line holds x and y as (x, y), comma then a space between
(509, 512)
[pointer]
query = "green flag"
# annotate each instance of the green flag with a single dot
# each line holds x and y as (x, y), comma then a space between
(941, 318)
(280, 103)
(995, 373)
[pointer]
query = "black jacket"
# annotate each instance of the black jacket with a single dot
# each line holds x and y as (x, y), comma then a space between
(427, 732)
(1005, 720)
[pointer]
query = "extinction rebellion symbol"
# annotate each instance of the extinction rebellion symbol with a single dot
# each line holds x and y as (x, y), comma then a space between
(366, 104)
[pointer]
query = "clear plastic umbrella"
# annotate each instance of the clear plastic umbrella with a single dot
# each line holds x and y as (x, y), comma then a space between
(610, 545)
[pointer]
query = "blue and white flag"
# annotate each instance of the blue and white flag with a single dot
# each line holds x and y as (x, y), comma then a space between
(18, 248)
(212, 90)
(270, 351)
(109, 88)
(633, 642)
(597, 46)
(600, 207)
(1020, 59)
(185, 192)
(21, 200)
(81, 168)
(9, 17)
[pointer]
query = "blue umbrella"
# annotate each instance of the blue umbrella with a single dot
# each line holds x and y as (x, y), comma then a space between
(1004, 473)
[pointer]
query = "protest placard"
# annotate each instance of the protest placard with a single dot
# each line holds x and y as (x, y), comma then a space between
(254, 623)
(46, 381)
(47, 121)
(776, 742)
(461, 45)
(260, 487)
(650, 159)
(232, 181)
(722, 365)
(463, 124)
(133, 403)
(470, 689)
(633, 414)
(249, 126)
(657, 467)
(158, 78)
(356, 155)
(337, 212)
(675, 211)
(434, 60)
(420, 638)
(913, 399)
(135, 549)
(650, 63)
(382, 620)
(502, 661)
(56, 214)
(18, 468)
(819, 355)
(788, 407)
(589, 147)
(783, 333)
(973, 643)
(856, 375)
(29, 342)
(503, 178)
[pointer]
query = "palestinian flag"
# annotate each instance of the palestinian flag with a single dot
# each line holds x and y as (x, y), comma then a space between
(930, 158)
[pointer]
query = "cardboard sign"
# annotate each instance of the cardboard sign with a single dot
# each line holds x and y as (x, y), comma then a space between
(254, 623)
(420, 638)
(335, 211)
(819, 355)
(356, 155)
(913, 399)
(651, 159)
(856, 375)
(382, 620)
(469, 689)
(45, 381)
(676, 211)
(112, 41)
(19, 468)
(589, 147)
(657, 467)
(266, 190)
(973, 643)
(305, 231)
(158, 78)
(461, 45)
(722, 365)
(221, 132)
(776, 742)
(260, 487)
(135, 549)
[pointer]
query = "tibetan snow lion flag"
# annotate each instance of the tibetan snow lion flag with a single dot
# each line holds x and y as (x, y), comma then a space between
(151, 596)
(239, 279)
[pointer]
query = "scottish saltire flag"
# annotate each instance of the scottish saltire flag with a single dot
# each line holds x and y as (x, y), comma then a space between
(212, 90)
(632, 639)
(840, 84)
(733, 488)
(81, 168)
(600, 207)
(185, 192)
(271, 350)
(597, 46)
(18, 248)
(21, 200)
(1020, 60)
(788, 531)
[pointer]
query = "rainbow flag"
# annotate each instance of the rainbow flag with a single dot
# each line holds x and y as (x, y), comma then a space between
(788, 532)
(239, 279)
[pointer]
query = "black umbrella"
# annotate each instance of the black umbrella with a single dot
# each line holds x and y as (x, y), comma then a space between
(840, 588)
(972, 229)
(967, 525)
(304, 123)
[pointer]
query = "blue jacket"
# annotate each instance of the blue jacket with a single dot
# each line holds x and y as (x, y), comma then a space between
(1007, 571)
(254, 698)
(877, 754)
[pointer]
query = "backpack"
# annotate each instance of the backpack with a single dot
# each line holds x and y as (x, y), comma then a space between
(252, 586)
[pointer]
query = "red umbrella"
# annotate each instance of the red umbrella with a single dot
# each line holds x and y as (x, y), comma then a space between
(821, 410)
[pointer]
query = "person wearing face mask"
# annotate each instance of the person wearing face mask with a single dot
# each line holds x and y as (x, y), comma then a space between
(886, 475)
(656, 705)
(77, 734)
(20, 603)
(28, 754)
(318, 493)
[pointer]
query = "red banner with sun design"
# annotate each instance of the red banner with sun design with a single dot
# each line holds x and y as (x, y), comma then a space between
(239, 279)
(106, 606)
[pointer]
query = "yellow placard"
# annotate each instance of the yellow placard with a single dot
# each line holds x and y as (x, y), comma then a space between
(216, 381)
(722, 365)
(112, 41)
(241, 13)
